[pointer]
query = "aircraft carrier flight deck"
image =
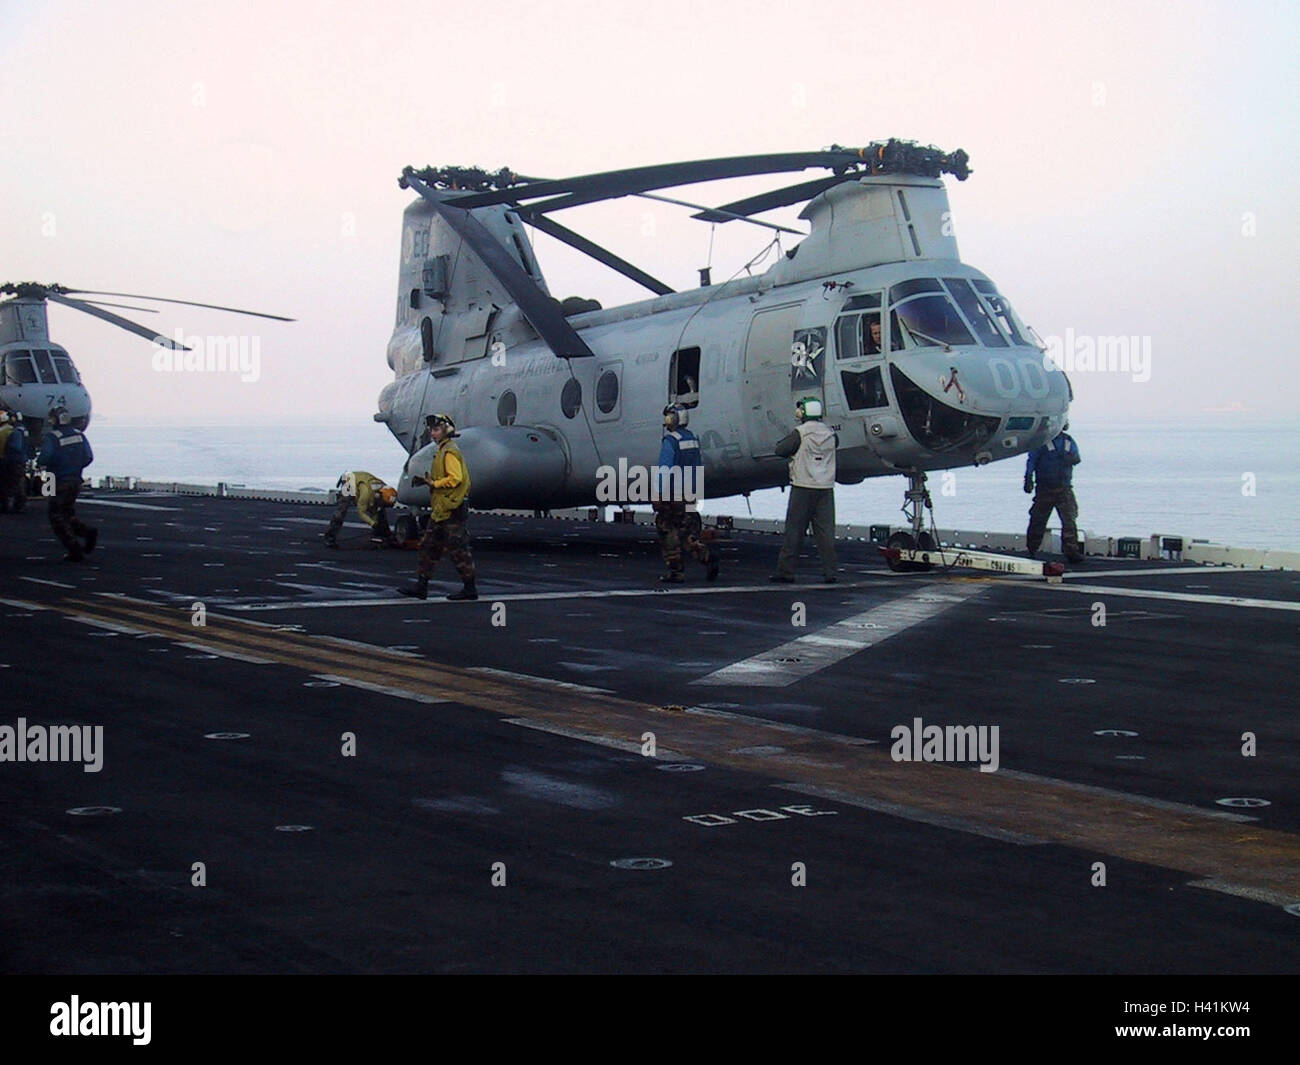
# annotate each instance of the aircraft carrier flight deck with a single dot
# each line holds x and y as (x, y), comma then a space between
(585, 771)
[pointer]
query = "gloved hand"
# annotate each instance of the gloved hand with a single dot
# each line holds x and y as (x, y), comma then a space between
(1029, 485)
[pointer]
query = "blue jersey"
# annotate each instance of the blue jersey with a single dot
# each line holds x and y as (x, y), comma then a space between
(1052, 465)
(679, 455)
(65, 452)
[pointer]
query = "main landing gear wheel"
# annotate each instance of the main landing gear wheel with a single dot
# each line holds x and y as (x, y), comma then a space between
(900, 541)
(406, 529)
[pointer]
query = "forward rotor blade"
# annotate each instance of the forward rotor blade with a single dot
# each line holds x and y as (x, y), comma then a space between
(768, 201)
(115, 319)
(187, 303)
(541, 311)
(570, 192)
(601, 255)
(124, 306)
(717, 214)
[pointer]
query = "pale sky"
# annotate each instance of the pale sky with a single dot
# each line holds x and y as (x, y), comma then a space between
(1134, 167)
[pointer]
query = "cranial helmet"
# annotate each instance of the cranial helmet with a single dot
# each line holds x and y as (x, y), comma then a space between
(445, 420)
(59, 416)
(4, 417)
(809, 407)
(676, 417)
(388, 495)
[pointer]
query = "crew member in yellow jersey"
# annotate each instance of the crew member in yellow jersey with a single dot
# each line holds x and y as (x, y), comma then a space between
(448, 531)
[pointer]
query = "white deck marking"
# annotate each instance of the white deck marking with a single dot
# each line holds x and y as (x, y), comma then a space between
(53, 584)
(627, 746)
(912, 813)
(24, 605)
(797, 659)
(221, 652)
(382, 689)
(115, 503)
(1165, 571)
(541, 680)
(1273, 898)
(110, 626)
(514, 597)
(1182, 597)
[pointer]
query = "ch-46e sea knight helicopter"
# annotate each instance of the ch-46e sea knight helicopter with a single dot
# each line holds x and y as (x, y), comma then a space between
(38, 374)
(546, 394)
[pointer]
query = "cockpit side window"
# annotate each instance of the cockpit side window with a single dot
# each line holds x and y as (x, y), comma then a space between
(975, 312)
(19, 369)
(1003, 313)
(64, 368)
(847, 337)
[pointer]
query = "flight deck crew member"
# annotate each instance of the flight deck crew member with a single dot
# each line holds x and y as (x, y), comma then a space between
(811, 450)
(372, 497)
(447, 531)
(677, 515)
(65, 452)
(1052, 465)
(13, 463)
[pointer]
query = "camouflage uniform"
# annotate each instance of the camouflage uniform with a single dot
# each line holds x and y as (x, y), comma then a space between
(677, 528)
(450, 537)
(63, 514)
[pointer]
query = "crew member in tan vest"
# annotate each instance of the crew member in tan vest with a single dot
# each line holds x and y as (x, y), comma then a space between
(811, 450)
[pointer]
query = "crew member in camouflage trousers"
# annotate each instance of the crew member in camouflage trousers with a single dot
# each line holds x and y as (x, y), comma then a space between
(1053, 467)
(65, 452)
(448, 530)
(677, 521)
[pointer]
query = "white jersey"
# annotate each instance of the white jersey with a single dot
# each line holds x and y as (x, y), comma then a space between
(813, 465)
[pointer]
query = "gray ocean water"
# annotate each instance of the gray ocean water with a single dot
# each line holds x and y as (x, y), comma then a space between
(1221, 481)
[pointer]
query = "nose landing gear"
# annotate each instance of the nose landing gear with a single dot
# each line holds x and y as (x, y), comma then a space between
(916, 500)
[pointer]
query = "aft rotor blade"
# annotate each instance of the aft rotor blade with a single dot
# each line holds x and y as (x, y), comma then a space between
(570, 192)
(187, 303)
(115, 319)
(768, 201)
(601, 255)
(542, 312)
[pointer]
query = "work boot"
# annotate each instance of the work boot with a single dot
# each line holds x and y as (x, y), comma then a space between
(781, 578)
(92, 538)
(830, 578)
(468, 592)
(418, 590)
(713, 568)
(75, 554)
(331, 541)
(672, 578)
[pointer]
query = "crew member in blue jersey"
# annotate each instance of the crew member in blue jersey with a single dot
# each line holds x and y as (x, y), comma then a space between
(65, 452)
(1050, 469)
(677, 515)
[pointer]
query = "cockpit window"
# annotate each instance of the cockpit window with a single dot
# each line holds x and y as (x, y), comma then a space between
(932, 321)
(64, 368)
(45, 368)
(1003, 313)
(857, 335)
(975, 312)
(910, 288)
(19, 369)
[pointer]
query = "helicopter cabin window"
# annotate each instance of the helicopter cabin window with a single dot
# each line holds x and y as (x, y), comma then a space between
(64, 368)
(863, 391)
(1002, 312)
(19, 369)
(45, 368)
(975, 313)
(571, 398)
(684, 377)
(926, 314)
